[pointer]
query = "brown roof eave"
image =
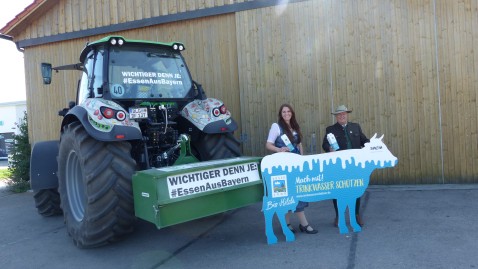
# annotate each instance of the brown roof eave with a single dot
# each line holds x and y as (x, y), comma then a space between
(27, 16)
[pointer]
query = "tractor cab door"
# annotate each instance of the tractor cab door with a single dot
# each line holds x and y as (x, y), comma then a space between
(92, 80)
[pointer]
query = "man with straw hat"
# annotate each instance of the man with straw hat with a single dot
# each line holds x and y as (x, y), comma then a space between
(349, 135)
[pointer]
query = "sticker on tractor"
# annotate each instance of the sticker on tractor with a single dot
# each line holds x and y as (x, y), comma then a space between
(117, 90)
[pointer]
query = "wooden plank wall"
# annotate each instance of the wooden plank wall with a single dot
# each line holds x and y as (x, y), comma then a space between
(457, 37)
(74, 15)
(44, 101)
(407, 68)
(380, 59)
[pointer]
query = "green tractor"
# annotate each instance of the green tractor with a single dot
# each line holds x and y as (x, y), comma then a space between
(137, 109)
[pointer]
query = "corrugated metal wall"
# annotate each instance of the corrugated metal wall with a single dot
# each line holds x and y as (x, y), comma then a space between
(408, 69)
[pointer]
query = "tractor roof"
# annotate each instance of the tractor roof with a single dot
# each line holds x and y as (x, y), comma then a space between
(119, 40)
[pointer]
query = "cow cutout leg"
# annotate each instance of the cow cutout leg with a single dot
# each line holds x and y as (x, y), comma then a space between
(268, 216)
(289, 235)
(353, 219)
(271, 237)
(341, 206)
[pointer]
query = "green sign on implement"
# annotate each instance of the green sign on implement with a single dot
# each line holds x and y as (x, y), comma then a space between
(180, 193)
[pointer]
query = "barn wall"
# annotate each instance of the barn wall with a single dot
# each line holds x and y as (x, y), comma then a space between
(408, 69)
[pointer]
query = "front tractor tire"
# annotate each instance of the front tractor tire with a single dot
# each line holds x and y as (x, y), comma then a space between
(95, 187)
(217, 146)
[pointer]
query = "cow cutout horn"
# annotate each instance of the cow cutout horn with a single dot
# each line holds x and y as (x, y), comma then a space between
(374, 136)
(381, 137)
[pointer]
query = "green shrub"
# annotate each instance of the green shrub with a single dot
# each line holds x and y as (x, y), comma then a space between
(20, 159)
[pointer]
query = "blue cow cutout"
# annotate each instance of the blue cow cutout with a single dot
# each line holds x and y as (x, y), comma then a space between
(342, 175)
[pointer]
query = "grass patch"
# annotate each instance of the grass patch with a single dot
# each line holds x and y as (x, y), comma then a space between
(17, 187)
(5, 174)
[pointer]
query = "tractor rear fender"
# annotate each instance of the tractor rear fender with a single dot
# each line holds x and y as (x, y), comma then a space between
(43, 165)
(185, 125)
(220, 127)
(209, 116)
(102, 132)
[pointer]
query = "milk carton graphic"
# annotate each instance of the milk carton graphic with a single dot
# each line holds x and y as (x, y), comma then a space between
(287, 142)
(332, 141)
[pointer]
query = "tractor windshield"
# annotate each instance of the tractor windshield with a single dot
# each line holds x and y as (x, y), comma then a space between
(147, 73)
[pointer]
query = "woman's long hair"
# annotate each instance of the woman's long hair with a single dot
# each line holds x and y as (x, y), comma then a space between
(293, 124)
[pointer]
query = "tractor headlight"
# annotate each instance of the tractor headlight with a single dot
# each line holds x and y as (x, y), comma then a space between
(115, 41)
(178, 46)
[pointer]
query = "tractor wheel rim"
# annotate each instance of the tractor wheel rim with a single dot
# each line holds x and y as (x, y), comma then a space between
(75, 187)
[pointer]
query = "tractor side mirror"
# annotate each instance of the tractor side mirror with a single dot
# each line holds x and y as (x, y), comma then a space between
(46, 72)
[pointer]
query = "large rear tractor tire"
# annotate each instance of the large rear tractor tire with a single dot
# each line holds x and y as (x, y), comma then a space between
(47, 202)
(95, 187)
(217, 146)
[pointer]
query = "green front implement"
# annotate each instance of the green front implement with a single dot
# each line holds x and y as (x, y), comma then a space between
(176, 194)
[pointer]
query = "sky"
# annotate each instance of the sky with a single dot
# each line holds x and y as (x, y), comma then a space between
(12, 70)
